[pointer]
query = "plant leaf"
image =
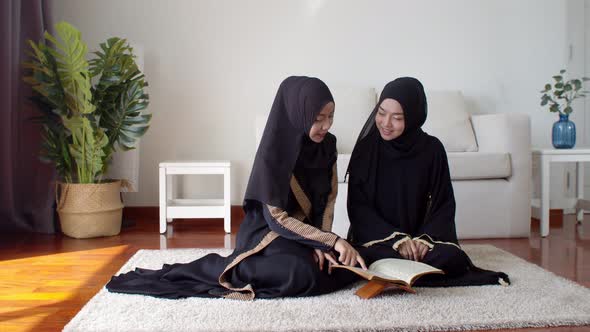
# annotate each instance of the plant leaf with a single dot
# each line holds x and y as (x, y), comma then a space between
(125, 122)
(577, 84)
(87, 147)
(72, 67)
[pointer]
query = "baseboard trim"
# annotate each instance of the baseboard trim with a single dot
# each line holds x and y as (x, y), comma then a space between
(237, 214)
(555, 218)
(153, 213)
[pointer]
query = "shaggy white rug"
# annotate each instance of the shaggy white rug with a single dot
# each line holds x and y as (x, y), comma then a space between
(535, 298)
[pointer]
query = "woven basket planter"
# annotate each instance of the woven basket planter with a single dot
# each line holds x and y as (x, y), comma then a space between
(89, 210)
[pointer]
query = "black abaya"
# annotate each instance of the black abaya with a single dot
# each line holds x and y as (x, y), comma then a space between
(288, 206)
(401, 190)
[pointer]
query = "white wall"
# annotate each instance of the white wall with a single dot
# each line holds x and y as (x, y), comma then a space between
(213, 65)
(563, 175)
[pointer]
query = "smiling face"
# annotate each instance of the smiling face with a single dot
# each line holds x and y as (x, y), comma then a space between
(322, 123)
(390, 119)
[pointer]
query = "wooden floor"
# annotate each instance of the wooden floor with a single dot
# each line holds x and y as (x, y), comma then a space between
(46, 279)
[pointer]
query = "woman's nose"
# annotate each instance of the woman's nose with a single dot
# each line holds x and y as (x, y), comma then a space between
(388, 123)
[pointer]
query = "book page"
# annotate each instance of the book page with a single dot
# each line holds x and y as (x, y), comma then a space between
(402, 269)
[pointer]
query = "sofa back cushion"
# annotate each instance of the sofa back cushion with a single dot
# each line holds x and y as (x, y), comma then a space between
(353, 105)
(449, 121)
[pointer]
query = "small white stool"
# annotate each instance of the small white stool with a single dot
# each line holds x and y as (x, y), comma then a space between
(171, 207)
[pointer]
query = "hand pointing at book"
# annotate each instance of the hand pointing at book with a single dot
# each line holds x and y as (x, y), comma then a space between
(347, 255)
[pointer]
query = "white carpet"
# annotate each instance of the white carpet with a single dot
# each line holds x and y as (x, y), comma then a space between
(535, 298)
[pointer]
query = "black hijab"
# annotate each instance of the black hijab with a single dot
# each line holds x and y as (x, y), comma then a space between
(285, 147)
(409, 92)
(406, 179)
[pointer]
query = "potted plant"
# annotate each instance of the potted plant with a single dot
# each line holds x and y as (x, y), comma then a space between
(559, 97)
(88, 110)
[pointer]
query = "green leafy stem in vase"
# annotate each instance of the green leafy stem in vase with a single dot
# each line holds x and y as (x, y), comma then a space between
(561, 94)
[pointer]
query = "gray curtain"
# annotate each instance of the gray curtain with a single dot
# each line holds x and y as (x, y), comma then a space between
(26, 184)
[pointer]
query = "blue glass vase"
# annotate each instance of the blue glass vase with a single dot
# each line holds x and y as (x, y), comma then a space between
(564, 133)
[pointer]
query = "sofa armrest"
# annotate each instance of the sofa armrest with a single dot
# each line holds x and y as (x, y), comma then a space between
(510, 133)
(507, 133)
(502, 132)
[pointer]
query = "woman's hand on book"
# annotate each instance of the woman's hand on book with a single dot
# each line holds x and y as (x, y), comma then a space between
(413, 250)
(347, 255)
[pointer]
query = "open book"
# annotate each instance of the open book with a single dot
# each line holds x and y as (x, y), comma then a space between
(390, 273)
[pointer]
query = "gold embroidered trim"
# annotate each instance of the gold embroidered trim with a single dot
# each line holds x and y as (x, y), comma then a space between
(300, 196)
(399, 242)
(441, 242)
(238, 296)
(299, 215)
(370, 243)
(302, 229)
(328, 217)
(246, 291)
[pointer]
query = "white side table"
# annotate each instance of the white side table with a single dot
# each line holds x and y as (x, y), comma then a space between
(171, 207)
(546, 157)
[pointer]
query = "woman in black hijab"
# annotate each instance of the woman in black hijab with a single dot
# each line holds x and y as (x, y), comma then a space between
(284, 242)
(400, 197)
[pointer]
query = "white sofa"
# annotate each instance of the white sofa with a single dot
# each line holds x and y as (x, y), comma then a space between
(490, 164)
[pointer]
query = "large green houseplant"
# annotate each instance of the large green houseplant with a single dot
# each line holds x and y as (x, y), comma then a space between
(88, 110)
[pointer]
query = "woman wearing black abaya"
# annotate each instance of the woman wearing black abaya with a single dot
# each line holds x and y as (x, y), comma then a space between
(284, 242)
(400, 197)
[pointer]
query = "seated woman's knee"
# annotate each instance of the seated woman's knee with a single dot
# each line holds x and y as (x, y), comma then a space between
(447, 257)
(446, 250)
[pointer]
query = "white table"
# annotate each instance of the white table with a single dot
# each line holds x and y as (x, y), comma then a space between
(548, 156)
(171, 207)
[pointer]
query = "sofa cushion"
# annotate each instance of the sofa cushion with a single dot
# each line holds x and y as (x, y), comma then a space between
(479, 165)
(449, 121)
